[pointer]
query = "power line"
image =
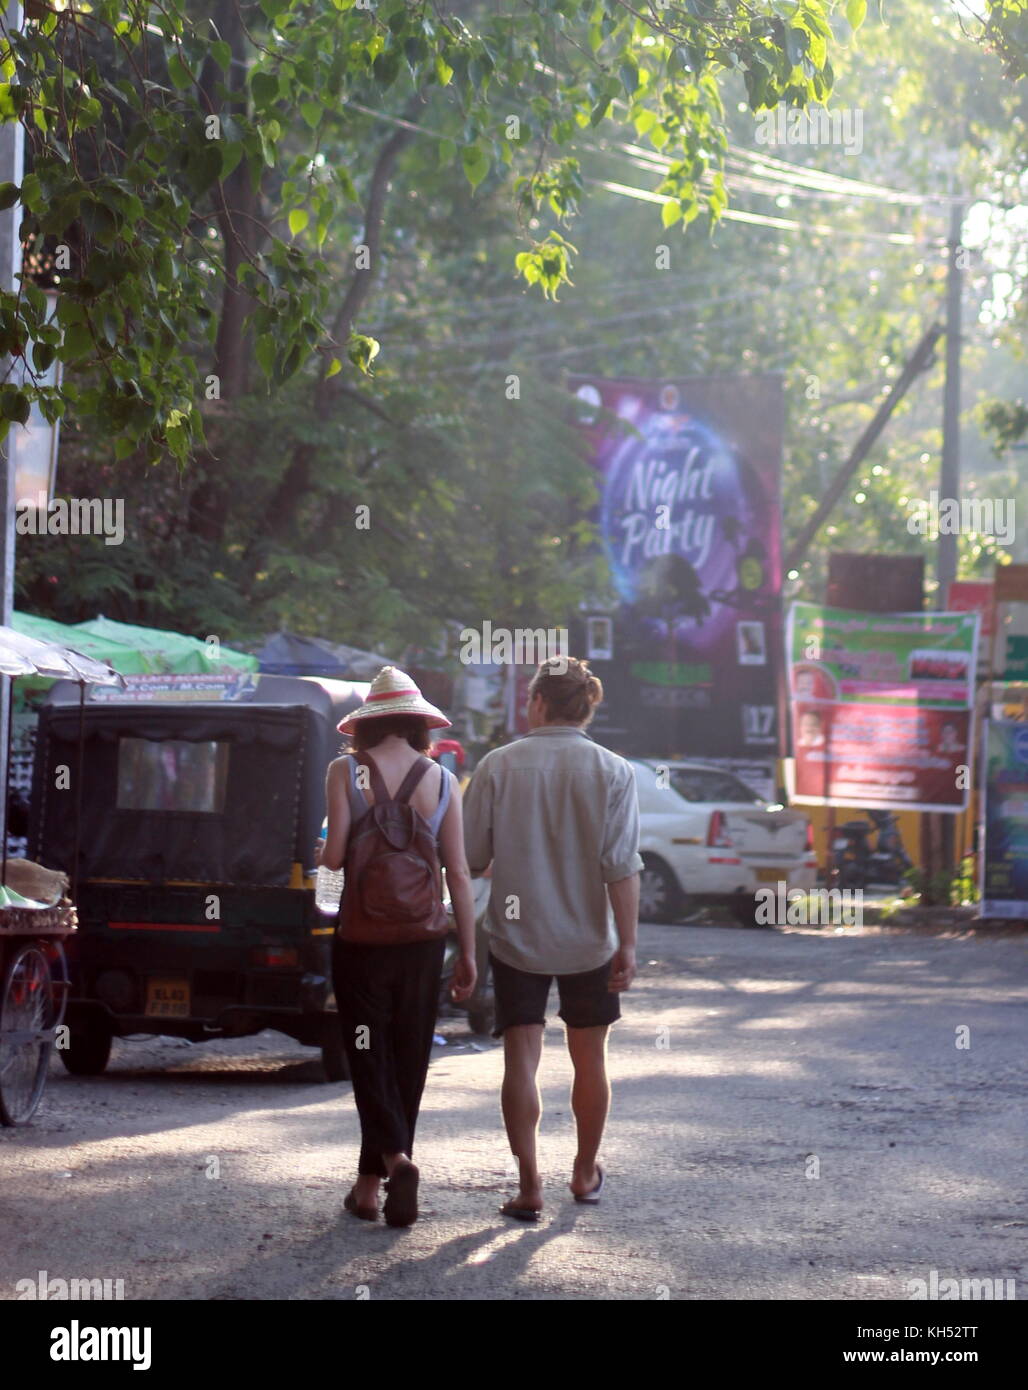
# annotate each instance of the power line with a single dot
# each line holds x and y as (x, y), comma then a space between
(784, 224)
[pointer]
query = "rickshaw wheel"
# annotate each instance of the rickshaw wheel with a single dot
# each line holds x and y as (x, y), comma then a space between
(26, 1009)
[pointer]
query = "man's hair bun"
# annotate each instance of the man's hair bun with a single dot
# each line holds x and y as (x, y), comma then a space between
(568, 688)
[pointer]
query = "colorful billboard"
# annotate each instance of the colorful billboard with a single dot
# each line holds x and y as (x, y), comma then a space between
(1004, 886)
(881, 707)
(689, 523)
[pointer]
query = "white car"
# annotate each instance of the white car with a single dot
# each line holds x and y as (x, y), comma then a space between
(706, 838)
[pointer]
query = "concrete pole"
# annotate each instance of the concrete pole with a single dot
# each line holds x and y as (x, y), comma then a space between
(12, 154)
(949, 475)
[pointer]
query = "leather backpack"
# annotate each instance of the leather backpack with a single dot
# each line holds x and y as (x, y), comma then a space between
(393, 887)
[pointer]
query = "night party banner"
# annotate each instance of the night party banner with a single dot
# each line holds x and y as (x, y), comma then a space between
(881, 707)
(689, 522)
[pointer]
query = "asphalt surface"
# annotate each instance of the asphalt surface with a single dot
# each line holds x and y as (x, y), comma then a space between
(793, 1119)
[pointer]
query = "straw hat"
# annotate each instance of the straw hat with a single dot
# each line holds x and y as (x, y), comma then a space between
(394, 692)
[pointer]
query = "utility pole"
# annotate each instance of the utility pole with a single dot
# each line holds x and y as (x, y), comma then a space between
(949, 473)
(12, 154)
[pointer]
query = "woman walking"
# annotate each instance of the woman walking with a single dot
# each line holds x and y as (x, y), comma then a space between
(394, 821)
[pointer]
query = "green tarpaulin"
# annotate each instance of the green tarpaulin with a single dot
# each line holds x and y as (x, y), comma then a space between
(129, 649)
(174, 650)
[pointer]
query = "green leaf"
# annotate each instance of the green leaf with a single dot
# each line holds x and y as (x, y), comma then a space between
(42, 356)
(333, 367)
(14, 405)
(856, 12)
(9, 193)
(476, 164)
(362, 351)
(311, 111)
(443, 70)
(670, 214)
(264, 86)
(265, 351)
(180, 75)
(298, 219)
(222, 54)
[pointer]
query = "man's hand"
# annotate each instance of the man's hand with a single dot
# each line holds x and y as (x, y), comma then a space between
(622, 969)
(465, 977)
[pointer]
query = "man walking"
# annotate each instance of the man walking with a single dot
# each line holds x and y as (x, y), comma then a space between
(557, 816)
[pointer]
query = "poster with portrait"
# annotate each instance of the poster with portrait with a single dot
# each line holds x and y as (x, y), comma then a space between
(689, 522)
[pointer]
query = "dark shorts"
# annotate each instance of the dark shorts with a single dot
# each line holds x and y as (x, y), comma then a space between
(585, 1000)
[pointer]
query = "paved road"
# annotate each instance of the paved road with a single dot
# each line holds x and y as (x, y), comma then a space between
(748, 1061)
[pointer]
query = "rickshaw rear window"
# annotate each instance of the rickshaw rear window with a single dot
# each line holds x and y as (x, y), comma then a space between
(171, 775)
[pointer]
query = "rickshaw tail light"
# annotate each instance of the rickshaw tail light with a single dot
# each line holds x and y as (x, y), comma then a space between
(274, 956)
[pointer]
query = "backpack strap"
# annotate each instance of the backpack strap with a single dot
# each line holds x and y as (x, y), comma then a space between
(405, 790)
(378, 786)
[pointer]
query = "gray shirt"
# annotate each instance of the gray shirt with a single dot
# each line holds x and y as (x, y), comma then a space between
(558, 817)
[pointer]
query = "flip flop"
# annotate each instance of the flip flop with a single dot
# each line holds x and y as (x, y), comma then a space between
(365, 1213)
(592, 1197)
(401, 1203)
(519, 1213)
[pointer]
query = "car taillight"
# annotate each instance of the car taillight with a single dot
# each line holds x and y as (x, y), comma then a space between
(717, 833)
(274, 956)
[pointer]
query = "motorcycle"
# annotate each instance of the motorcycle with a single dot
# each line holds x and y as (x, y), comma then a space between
(858, 864)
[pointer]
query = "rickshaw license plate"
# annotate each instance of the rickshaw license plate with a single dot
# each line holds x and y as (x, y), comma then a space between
(167, 998)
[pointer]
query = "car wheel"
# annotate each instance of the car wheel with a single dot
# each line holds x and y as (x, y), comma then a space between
(744, 910)
(660, 897)
(88, 1050)
(334, 1061)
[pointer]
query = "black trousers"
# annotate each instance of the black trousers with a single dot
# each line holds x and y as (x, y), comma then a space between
(387, 998)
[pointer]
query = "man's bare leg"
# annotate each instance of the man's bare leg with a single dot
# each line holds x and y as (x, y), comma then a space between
(590, 1100)
(522, 1107)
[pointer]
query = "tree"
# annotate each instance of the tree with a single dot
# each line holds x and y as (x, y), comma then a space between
(182, 203)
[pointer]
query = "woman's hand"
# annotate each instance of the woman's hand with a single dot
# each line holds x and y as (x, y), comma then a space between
(465, 978)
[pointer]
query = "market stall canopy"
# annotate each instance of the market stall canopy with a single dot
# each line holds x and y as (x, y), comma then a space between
(12, 663)
(126, 659)
(134, 650)
(48, 659)
(289, 654)
(175, 651)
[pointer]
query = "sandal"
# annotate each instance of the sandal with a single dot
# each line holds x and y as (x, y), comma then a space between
(365, 1213)
(401, 1203)
(592, 1197)
(520, 1213)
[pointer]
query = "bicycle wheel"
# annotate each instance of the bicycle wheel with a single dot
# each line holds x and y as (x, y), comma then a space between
(26, 1018)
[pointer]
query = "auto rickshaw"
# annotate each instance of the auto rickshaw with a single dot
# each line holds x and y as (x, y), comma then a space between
(193, 860)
